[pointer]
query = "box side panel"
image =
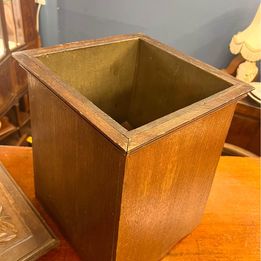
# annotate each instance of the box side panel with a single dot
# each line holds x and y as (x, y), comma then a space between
(165, 83)
(78, 174)
(166, 186)
(104, 74)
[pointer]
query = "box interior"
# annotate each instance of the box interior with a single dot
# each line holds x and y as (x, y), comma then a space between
(133, 81)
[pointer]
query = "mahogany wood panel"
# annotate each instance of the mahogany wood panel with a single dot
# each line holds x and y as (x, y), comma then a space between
(166, 186)
(79, 183)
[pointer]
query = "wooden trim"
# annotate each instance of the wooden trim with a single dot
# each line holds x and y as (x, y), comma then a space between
(130, 140)
(90, 112)
(157, 128)
(101, 121)
(123, 38)
(81, 44)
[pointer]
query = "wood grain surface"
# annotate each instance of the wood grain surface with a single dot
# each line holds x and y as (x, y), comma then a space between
(230, 226)
(166, 186)
(78, 174)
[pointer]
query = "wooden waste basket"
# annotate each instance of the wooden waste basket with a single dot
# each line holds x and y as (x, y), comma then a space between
(127, 134)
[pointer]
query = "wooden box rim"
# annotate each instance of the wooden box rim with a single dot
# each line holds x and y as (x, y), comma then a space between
(118, 135)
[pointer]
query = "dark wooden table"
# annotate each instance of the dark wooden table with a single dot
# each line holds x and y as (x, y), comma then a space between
(230, 226)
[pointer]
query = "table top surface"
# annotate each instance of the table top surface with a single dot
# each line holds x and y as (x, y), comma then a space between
(229, 229)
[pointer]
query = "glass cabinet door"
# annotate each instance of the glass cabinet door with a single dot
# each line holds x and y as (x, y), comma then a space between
(13, 18)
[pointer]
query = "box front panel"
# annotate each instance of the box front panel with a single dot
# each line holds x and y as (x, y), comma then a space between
(78, 174)
(166, 186)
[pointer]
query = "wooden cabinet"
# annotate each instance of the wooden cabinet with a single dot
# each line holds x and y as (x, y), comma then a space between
(17, 32)
(245, 127)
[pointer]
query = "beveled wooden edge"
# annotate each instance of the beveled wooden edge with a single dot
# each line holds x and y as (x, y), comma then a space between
(178, 119)
(89, 111)
(122, 138)
(36, 253)
(82, 44)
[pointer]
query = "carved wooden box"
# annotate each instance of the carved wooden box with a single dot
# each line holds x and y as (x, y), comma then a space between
(127, 134)
(24, 235)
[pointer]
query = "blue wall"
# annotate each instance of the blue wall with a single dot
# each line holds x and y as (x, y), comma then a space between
(202, 28)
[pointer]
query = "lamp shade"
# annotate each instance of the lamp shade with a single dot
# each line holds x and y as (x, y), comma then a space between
(248, 42)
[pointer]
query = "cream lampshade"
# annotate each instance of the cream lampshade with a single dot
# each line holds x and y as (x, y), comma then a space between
(248, 44)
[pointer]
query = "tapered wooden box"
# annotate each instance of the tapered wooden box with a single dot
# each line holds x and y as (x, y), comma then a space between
(127, 134)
